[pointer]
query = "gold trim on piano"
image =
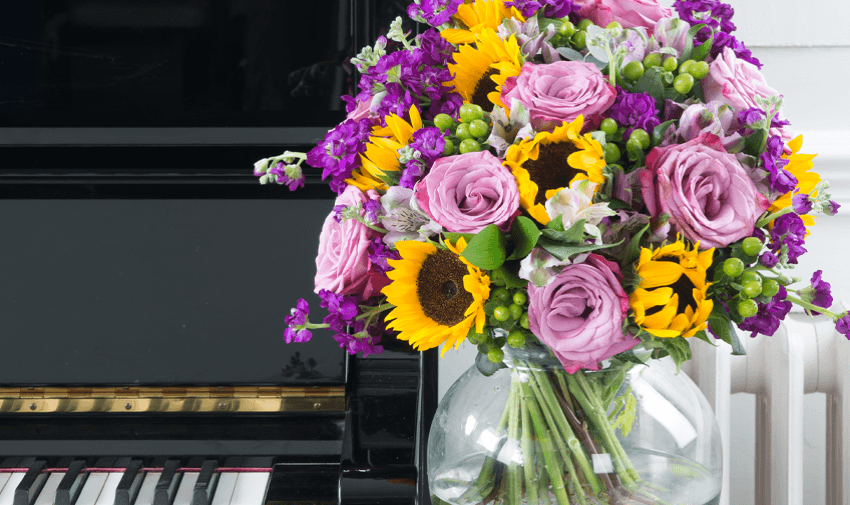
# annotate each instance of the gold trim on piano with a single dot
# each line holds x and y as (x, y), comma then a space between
(29, 400)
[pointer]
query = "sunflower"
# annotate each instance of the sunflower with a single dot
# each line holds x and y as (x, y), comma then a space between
(476, 17)
(670, 299)
(550, 161)
(799, 165)
(480, 71)
(438, 295)
(381, 154)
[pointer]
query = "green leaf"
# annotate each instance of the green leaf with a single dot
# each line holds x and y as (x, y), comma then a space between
(652, 82)
(556, 224)
(486, 249)
(563, 251)
(626, 405)
(721, 325)
(679, 349)
(524, 235)
(659, 131)
(510, 276)
(633, 249)
(704, 337)
(575, 235)
(390, 178)
(687, 52)
(616, 204)
(453, 237)
(570, 54)
(701, 52)
(754, 145)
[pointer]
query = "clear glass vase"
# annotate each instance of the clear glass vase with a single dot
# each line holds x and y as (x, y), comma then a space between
(532, 433)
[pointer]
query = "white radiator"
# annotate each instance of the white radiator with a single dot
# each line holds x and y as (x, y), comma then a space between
(804, 356)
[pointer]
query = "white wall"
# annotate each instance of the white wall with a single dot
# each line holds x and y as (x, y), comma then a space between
(805, 49)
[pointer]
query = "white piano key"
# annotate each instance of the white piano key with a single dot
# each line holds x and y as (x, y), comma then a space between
(92, 488)
(148, 489)
(250, 488)
(7, 497)
(224, 489)
(187, 486)
(4, 478)
(48, 492)
(107, 494)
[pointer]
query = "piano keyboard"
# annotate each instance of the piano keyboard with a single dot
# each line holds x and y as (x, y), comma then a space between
(126, 481)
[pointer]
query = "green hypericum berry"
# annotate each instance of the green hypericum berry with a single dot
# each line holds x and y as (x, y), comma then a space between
(747, 308)
(475, 338)
(652, 60)
(501, 295)
(462, 132)
(749, 276)
(483, 348)
(579, 39)
(609, 126)
(501, 313)
(469, 146)
(520, 298)
(752, 289)
(516, 338)
(496, 355)
(670, 64)
(469, 112)
(751, 246)
(614, 24)
(770, 288)
(449, 148)
(641, 136)
(633, 70)
(516, 311)
(523, 320)
(612, 153)
(567, 29)
(443, 122)
(479, 128)
(685, 66)
(634, 145)
(683, 83)
(584, 23)
(699, 70)
(733, 267)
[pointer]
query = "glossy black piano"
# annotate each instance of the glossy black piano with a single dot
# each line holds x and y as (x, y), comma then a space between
(145, 275)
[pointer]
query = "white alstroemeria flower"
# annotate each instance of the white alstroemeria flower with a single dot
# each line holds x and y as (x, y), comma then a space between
(403, 218)
(539, 267)
(576, 203)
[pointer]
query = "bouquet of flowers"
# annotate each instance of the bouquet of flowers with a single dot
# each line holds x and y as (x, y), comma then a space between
(587, 177)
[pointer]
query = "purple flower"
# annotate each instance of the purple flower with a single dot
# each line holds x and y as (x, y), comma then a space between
(801, 203)
(769, 315)
(290, 175)
(753, 118)
(635, 110)
(372, 209)
(781, 180)
(718, 22)
(552, 8)
(411, 174)
(429, 141)
(339, 153)
(379, 253)
(787, 236)
(842, 325)
(295, 321)
(768, 259)
(433, 12)
(832, 208)
(819, 293)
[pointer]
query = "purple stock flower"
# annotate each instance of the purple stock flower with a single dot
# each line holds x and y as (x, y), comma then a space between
(343, 310)
(430, 142)
(413, 171)
(338, 154)
(372, 210)
(717, 17)
(802, 203)
(552, 8)
(833, 208)
(819, 293)
(752, 118)
(433, 12)
(842, 325)
(788, 233)
(781, 180)
(635, 110)
(769, 315)
(282, 177)
(379, 253)
(768, 259)
(296, 319)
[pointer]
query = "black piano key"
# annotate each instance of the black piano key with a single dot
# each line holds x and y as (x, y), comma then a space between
(130, 483)
(205, 485)
(166, 486)
(28, 489)
(72, 483)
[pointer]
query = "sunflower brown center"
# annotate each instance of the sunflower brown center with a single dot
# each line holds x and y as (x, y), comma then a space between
(439, 288)
(550, 170)
(682, 287)
(484, 87)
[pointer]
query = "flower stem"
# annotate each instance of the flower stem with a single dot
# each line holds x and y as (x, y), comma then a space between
(547, 448)
(770, 217)
(528, 455)
(514, 483)
(810, 306)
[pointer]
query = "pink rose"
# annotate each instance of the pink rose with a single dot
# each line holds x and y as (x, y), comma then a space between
(561, 91)
(629, 13)
(580, 314)
(707, 193)
(467, 192)
(342, 265)
(357, 109)
(737, 83)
